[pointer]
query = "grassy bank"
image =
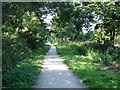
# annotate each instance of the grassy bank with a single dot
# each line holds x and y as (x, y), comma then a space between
(24, 74)
(83, 66)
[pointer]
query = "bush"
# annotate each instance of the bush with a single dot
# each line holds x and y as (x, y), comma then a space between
(97, 57)
(114, 52)
(106, 59)
(13, 51)
(24, 74)
(81, 50)
(97, 46)
(92, 75)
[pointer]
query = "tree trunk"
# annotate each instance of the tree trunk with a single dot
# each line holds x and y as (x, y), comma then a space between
(112, 36)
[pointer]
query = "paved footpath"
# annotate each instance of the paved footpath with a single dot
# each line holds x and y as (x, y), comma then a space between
(55, 74)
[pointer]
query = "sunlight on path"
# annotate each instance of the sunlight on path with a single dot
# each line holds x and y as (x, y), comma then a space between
(55, 74)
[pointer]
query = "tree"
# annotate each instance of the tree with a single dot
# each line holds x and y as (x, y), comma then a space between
(111, 24)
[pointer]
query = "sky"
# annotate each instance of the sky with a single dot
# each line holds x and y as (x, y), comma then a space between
(49, 18)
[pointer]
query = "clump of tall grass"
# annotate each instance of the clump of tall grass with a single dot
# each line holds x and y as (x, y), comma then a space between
(98, 57)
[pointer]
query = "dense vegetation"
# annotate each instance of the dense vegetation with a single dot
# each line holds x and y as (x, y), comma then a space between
(83, 62)
(71, 23)
(25, 73)
(73, 19)
(93, 55)
(25, 33)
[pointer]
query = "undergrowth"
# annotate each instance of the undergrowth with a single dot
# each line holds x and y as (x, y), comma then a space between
(83, 66)
(24, 74)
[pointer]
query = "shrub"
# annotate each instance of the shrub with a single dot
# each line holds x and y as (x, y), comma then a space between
(14, 50)
(106, 59)
(24, 74)
(114, 52)
(97, 57)
(81, 50)
(92, 75)
(97, 46)
(94, 56)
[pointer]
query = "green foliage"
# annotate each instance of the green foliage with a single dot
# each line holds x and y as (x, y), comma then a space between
(65, 50)
(117, 40)
(23, 31)
(14, 50)
(92, 75)
(94, 56)
(109, 27)
(89, 35)
(106, 59)
(33, 30)
(96, 46)
(70, 25)
(100, 35)
(115, 53)
(82, 16)
(23, 20)
(24, 74)
(97, 57)
(81, 50)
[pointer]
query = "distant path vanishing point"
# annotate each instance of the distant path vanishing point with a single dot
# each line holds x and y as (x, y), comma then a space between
(55, 74)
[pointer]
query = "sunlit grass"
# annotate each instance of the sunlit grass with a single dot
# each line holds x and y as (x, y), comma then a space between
(83, 66)
(24, 74)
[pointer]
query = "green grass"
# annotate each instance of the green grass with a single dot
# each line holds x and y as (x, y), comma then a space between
(24, 74)
(92, 75)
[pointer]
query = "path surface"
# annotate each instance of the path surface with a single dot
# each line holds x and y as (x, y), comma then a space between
(55, 74)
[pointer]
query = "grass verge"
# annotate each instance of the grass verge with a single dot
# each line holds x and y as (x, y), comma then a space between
(92, 75)
(24, 74)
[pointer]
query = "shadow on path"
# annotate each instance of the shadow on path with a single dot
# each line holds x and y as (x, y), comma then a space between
(55, 74)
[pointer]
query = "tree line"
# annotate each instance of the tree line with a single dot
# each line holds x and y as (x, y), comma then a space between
(24, 29)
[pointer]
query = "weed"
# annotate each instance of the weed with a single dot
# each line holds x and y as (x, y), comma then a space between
(24, 74)
(83, 66)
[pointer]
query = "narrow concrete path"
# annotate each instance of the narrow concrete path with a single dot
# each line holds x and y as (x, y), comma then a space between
(55, 74)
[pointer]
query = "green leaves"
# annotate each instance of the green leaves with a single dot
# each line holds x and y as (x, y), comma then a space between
(92, 75)
(23, 32)
(110, 13)
(23, 20)
(24, 74)
(72, 19)
(82, 15)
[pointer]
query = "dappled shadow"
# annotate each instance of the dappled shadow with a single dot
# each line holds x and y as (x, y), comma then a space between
(58, 79)
(92, 74)
(55, 74)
